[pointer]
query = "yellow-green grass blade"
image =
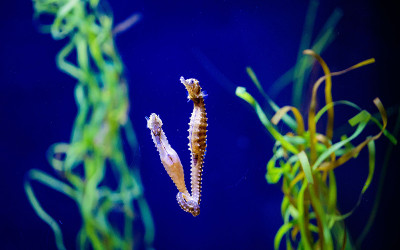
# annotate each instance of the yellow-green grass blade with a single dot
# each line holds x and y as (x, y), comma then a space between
(305, 164)
(281, 232)
(332, 198)
(273, 174)
(386, 133)
(326, 236)
(371, 150)
(242, 93)
(362, 120)
(287, 119)
(302, 221)
(55, 184)
(328, 106)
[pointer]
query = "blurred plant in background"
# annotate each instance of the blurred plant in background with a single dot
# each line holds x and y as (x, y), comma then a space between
(305, 160)
(95, 152)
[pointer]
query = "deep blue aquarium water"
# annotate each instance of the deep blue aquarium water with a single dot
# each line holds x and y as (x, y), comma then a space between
(214, 42)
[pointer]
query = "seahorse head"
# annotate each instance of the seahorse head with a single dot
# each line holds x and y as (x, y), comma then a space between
(193, 88)
(154, 123)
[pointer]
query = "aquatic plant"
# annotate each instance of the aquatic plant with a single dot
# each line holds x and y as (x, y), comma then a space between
(305, 161)
(95, 151)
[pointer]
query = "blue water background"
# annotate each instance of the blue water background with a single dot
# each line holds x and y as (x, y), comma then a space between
(212, 41)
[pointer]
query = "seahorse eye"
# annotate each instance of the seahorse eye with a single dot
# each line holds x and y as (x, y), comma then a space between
(156, 131)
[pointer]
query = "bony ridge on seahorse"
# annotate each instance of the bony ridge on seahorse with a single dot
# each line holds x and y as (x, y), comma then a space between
(197, 146)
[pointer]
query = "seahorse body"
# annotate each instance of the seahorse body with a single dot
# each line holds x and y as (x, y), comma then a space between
(197, 146)
(169, 157)
(197, 134)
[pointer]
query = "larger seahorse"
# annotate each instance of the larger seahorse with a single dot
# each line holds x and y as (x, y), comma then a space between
(197, 146)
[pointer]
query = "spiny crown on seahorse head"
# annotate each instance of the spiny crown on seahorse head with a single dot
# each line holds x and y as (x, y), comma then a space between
(197, 146)
(193, 88)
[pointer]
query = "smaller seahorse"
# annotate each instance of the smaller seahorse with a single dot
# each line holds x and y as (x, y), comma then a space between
(169, 158)
(197, 146)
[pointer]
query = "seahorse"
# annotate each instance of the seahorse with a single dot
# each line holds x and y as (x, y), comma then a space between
(197, 146)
